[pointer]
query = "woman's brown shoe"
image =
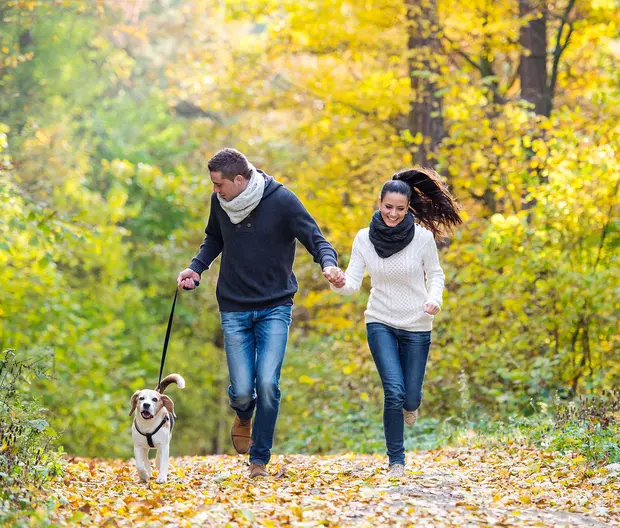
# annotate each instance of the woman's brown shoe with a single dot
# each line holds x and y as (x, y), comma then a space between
(241, 435)
(410, 416)
(396, 471)
(258, 470)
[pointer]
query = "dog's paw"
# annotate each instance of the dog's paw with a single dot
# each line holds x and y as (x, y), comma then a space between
(144, 476)
(161, 479)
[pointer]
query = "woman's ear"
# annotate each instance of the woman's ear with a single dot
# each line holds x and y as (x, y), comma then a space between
(134, 402)
(168, 404)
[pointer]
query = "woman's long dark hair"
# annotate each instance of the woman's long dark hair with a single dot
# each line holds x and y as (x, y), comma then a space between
(429, 199)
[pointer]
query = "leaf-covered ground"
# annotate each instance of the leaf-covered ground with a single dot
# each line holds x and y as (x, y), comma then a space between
(452, 487)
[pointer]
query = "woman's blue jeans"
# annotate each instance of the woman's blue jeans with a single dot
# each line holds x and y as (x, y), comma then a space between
(401, 358)
(255, 343)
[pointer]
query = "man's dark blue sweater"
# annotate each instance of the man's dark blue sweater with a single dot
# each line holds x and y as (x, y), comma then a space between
(256, 271)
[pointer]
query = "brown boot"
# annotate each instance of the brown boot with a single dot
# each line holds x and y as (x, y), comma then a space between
(241, 435)
(258, 470)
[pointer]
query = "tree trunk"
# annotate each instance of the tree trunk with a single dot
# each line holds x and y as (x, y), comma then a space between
(425, 109)
(533, 68)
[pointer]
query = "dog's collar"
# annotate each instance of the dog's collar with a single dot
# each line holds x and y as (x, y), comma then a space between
(149, 436)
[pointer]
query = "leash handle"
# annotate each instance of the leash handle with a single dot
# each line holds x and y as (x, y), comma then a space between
(196, 283)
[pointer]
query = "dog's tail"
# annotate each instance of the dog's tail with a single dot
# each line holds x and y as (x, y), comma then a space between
(169, 379)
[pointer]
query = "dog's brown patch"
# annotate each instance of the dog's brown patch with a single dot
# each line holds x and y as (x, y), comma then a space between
(168, 404)
(134, 402)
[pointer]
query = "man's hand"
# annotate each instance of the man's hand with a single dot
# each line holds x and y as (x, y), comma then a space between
(186, 279)
(431, 308)
(335, 276)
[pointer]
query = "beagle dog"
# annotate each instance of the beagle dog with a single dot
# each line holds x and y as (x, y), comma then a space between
(152, 427)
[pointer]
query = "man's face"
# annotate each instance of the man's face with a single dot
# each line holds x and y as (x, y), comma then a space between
(228, 189)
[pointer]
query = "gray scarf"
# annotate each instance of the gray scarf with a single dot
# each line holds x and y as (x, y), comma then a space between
(240, 207)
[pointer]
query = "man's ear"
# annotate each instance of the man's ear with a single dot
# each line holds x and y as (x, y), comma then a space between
(134, 402)
(168, 404)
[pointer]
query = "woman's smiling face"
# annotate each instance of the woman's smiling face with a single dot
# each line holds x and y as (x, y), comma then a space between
(393, 208)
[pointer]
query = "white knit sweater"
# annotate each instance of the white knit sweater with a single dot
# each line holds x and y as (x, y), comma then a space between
(398, 292)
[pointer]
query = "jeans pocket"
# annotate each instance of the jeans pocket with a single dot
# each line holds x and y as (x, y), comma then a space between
(375, 327)
(232, 322)
(426, 338)
(284, 312)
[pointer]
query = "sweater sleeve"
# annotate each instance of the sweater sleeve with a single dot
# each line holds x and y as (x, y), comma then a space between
(306, 230)
(212, 245)
(434, 274)
(355, 271)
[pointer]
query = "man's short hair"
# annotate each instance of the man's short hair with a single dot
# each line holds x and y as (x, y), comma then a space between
(230, 162)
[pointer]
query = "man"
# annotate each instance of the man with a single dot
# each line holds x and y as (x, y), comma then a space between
(254, 221)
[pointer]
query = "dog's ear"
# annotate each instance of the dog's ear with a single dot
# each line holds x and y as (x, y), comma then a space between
(134, 402)
(168, 404)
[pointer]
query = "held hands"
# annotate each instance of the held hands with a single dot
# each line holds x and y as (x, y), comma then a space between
(335, 276)
(186, 279)
(431, 308)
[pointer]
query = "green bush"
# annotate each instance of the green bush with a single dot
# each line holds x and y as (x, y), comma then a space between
(28, 457)
(588, 425)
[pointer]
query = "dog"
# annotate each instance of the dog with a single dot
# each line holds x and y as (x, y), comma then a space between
(152, 427)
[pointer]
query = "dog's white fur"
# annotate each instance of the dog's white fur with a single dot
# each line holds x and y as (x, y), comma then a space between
(153, 407)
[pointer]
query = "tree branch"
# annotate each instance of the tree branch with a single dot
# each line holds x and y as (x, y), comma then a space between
(189, 110)
(460, 52)
(557, 54)
(483, 67)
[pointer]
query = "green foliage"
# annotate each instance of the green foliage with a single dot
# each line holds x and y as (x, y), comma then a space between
(28, 456)
(95, 216)
(588, 426)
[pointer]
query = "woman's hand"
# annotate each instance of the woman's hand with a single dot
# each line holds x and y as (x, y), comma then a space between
(335, 276)
(431, 308)
(340, 280)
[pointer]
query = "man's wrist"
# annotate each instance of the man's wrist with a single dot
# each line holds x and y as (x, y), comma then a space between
(198, 266)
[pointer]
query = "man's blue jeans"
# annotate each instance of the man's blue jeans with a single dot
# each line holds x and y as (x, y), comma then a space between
(400, 357)
(255, 343)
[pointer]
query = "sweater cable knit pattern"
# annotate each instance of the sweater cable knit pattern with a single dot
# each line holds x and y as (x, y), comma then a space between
(399, 289)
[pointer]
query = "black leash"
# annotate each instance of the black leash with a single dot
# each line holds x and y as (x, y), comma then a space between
(163, 354)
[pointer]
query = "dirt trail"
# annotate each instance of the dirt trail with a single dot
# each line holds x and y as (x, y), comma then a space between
(450, 487)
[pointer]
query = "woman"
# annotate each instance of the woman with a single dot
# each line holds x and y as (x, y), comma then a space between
(398, 253)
